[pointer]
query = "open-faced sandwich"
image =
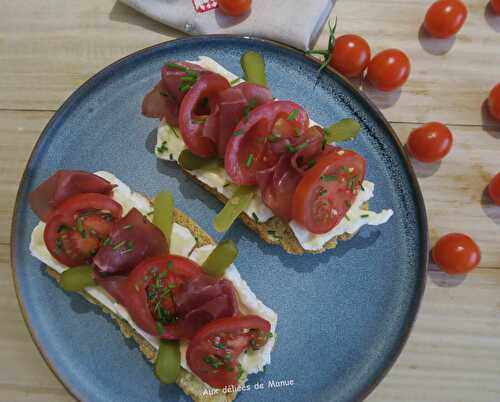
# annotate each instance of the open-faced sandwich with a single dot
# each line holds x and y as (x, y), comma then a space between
(159, 275)
(264, 158)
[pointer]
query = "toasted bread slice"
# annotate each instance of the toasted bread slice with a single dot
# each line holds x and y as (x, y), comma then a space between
(275, 231)
(190, 384)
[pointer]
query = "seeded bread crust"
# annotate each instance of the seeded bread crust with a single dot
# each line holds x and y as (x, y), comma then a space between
(275, 231)
(190, 384)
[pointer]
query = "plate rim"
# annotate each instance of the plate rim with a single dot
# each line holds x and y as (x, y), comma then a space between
(412, 314)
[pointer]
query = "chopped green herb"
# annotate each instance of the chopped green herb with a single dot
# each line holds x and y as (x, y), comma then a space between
(347, 217)
(237, 133)
(165, 94)
(212, 361)
(323, 191)
(328, 178)
(170, 264)
(249, 160)
(162, 148)
(159, 327)
(189, 79)
(162, 274)
(293, 115)
(365, 216)
(185, 87)
(171, 286)
(255, 217)
(106, 241)
(298, 132)
(241, 372)
(63, 228)
(177, 67)
(119, 245)
(199, 120)
(293, 149)
(128, 227)
(311, 163)
(273, 137)
(235, 81)
(80, 228)
(248, 108)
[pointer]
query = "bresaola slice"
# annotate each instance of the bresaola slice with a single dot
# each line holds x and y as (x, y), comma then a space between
(132, 240)
(159, 104)
(62, 185)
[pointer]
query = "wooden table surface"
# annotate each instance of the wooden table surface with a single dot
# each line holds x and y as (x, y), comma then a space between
(48, 48)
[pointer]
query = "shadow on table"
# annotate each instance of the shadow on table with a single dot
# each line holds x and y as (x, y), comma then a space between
(123, 13)
(491, 210)
(442, 279)
(490, 125)
(433, 45)
(491, 18)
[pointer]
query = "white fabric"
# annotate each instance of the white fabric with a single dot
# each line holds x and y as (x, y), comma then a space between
(295, 22)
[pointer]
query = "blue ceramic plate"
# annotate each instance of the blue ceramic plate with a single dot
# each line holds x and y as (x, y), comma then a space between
(343, 315)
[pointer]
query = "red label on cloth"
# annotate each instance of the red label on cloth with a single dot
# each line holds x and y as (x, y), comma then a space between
(204, 5)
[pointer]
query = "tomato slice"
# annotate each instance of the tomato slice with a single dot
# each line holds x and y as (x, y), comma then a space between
(191, 123)
(213, 352)
(76, 228)
(326, 191)
(249, 149)
(151, 287)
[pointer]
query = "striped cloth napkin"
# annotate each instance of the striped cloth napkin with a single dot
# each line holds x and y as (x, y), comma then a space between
(294, 22)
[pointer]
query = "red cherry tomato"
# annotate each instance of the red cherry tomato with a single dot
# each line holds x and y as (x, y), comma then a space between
(444, 18)
(350, 55)
(430, 142)
(495, 6)
(207, 87)
(248, 150)
(326, 191)
(494, 189)
(494, 102)
(235, 8)
(213, 352)
(456, 253)
(389, 70)
(76, 228)
(151, 287)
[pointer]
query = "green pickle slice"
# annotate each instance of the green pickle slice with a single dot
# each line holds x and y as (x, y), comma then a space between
(254, 68)
(233, 208)
(343, 130)
(163, 215)
(220, 258)
(77, 278)
(168, 362)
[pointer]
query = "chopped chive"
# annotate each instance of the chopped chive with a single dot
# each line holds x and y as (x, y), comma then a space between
(293, 115)
(162, 274)
(159, 327)
(177, 67)
(162, 148)
(249, 107)
(199, 120)
(328, 178)
(80, 228)
(311, 163)
(235, 81)
(106, 241)
(249, 160)
(298, 133)
(323, 191)
(237, 133)
(189, 78)
(170, 264)
(255, 217)
(273, 137)
(185, 87)
(128, 227)
(365, 216)
(119, 245)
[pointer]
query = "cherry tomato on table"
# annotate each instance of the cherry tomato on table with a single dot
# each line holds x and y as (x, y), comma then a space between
(350, 55)
(456, 253)
(389, 70)
(495, 5)
(494, 102)
(213, 352)
(235, 8)
(444, 18)
(430, 142)
(494, 189)
(76, 228)
(327, 190)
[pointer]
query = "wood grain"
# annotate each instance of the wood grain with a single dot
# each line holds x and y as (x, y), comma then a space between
(49, 48)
